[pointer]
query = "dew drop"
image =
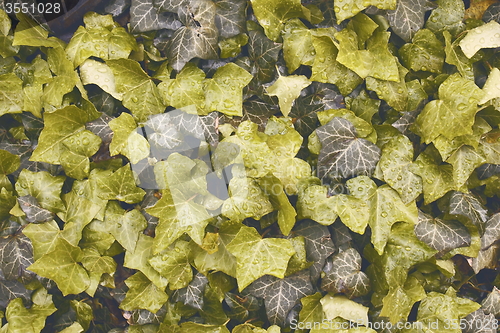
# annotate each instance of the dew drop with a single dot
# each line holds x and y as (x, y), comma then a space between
(383, 214)
(134, 99)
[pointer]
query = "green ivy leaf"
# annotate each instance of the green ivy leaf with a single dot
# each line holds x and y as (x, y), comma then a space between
(221, 260)
(287, 89)
(395, 162)
(143, 294)
(30, 33)
(43, 186)
(438, 178)
(11, 94)
(140, 93)
(448, 16)
(8, 162)
(126, 140)
(59, 126)
(34, 213)
(280, 295)
(272, 15)
(76, 152)
(345, 275)
(353, 7)
(120, 185)
(400, 300)
(139, 259)
(298, 48)
(455, 56)
(96, 72)
(481, 37)
(174, 265)
(340, 306)
(425, 53)
(453, 113)
(443, 308)
(61, 265)
(30, 320)
(394, 93)
(124, 226)
(64, 81)
(102, 40)
(441, 235)
(224, 91)
(257, 256)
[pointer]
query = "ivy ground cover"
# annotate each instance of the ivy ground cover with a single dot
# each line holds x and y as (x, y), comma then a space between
(252, 166)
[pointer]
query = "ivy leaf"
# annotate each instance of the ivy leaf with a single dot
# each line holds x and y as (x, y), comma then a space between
(425, 53)
(280, 295)
(298, 48)
(400, 300)
(447, 16)
(33, 211)
(198, 36)
(397, 156)
(263, 52)
(105, 41)
(79, 212)
(101, 128)
(98, 73)
(143, 294)
(464, 160)
(61, 265)
(64, 81)
(491, 13)
(481, 37)
(140, 93)
(473, 320)
(272, 15)
(30, 33)
(491, 304)
(221, 260)
(10, 290)
(76, 152)
(224, 91)
(346, 276)
(353, 7)
(441, 235)
(287, 89)
(455, 56)
(342, 153)
(174, 265)
(138, 259)
(186, 90)
(438, 178)
(43, 186)
(192, 295)
(120, 185)
(124, 226)
(467, 205)
(408, 17)
(340, 306)
(9, 162)
(126, 139)
(327, 69)
(16, 254)
(59, 126)
(144, 16)
(443, 308)
(280, 202)
(29, 320)
(491, 231)
(394, 93)
(11, 94)
(230, 17)
(257, 256)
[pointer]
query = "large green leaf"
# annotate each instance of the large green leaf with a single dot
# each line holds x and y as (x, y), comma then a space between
(352, 7)
(124, 226)
(43, 186)
(444, 308)
(62, 265)
(140, 93)
(486, 36)
(174, 264)
(105, 40)
(120, 185)
(64, 81)
(257, 256)
(59, 126)
(143, 294)
(287, 89)
(30, 320)
(425, 53)
(448, 16)
(8, 162)
(11, 94)
(286, 213)
(30, 33)
(126, 139)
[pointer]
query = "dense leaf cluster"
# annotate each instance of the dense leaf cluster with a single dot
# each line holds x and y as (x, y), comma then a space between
(252, 166)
